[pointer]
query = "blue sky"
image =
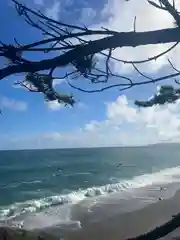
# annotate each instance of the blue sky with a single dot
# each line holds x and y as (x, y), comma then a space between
(97, 119)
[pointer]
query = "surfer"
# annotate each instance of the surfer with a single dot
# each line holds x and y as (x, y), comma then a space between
(120, 164)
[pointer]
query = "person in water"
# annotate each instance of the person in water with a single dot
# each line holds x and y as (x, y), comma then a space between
(120, 164)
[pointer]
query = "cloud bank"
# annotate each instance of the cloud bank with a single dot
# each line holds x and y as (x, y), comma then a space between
(119, 15)
(124, 125)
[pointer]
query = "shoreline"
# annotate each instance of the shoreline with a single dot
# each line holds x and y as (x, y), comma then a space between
(131, 224)
(122, 226)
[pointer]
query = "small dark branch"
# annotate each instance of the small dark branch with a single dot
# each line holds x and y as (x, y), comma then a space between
(171, 9)
(50, 28)
(142, 74)
(125, 85)
(158, 79)
(54, 44)
(63, 37)
(24, 85)
(161, 231)
(125, 88)
(84, 64)
(22, 9)
(173, 66)
(174, 5)
(156, 5)
(58, 28)
(66, 75)
(36, 25)
(46, 50)
(2, 44)
(160, 3)
(107, 64)
(123, 77)
(59, 33)
(134, 24)
(177, 81)
(25, 9)
(17, 43)
(96, 90)
(96, 78)
(51, 71)
(146, 60)
(14, 54)
(111, 74)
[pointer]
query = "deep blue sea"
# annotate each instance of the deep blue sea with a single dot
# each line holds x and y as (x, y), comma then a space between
(39, 188)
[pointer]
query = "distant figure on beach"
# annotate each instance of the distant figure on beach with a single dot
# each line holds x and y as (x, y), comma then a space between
(160, 198)
(120, 164)
(162, 189)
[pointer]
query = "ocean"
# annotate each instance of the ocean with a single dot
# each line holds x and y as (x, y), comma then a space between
(72, 187)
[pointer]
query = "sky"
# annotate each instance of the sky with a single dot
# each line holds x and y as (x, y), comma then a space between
(102, 119)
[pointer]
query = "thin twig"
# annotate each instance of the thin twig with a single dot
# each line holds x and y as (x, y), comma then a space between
(142, 74)
(173, 66)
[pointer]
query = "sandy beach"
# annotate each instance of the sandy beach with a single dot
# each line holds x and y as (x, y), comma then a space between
(122, 226)
(131, 224)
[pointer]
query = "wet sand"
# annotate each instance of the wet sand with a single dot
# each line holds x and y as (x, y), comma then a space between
(133, 223)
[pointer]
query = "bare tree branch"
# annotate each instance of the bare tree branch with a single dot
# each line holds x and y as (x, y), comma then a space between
(81, 55)
(145, 60)
(171, 9)
(119, 40)
(173, 66)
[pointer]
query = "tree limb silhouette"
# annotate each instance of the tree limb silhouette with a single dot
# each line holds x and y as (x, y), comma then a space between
(73, 48)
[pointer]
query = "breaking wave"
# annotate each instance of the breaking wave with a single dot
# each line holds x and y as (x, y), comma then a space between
(168, 175)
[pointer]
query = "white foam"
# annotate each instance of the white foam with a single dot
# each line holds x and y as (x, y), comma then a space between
(54, 217)
(168, 175)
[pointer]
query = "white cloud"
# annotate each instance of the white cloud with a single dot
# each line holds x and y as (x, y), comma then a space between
(12, 104)
(127, 125)
(124, 125)
(87, 15)
(92, 126)
(162, 121)
(58, 81)
(53, 11)
(54, 105)
(119, 15)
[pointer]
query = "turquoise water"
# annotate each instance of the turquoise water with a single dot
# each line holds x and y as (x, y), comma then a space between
(32, 181)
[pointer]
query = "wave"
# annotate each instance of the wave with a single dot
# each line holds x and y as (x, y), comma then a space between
(15, 185)
(168, 175)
